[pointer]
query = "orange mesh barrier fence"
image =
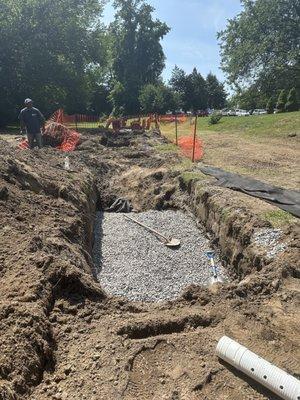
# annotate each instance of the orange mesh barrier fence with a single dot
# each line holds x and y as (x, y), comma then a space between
(171, 118)
(58, 135)
(78, 120)
(186, 144)
(182, 131)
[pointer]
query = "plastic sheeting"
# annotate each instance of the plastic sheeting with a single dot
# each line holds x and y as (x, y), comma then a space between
(287, 200)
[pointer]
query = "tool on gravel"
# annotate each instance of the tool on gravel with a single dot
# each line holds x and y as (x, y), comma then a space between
(169, 242)
(215, 278)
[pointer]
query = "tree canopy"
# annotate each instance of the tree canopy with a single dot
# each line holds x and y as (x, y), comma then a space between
(60, 53)
(196, 92)
(260, 47)
(137, 54)
(47, 49)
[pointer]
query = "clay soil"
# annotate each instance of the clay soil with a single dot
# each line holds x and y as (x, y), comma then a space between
(62, 337)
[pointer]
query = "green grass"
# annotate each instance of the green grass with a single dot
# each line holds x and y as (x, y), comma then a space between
(255, 125)
(279, 218)
(189, 176)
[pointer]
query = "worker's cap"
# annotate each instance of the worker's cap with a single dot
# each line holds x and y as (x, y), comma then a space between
(27, 101)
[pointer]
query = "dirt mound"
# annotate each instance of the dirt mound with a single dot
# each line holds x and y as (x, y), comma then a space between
(62, 337)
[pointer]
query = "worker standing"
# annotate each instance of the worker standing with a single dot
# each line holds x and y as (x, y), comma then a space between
(33, 122)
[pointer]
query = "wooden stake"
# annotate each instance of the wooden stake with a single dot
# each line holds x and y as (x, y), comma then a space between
(195, 135)
(176, 130)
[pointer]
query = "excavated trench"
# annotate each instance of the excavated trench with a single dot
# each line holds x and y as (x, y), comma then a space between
(52, 306)
(132, 262)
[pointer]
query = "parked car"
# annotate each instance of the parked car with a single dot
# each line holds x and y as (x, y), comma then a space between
(242, 113)
(259, 111)
(231, 113)
(202, 113)
(224, 112)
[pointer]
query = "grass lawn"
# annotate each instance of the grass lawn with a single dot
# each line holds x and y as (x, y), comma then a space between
(255, 125)
(266, 147)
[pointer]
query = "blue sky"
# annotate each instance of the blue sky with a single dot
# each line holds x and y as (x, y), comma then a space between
(194, 24)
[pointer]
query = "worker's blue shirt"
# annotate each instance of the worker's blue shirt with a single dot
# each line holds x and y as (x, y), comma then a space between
(32, 118)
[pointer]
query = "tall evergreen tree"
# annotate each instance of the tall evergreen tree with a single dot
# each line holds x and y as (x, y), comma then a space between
(216, 95)
(192, 89)
(198, 91)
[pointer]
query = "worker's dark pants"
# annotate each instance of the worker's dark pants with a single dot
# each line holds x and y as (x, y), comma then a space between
(35, 139)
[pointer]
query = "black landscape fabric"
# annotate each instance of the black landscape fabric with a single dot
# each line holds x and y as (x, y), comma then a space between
(287, 200)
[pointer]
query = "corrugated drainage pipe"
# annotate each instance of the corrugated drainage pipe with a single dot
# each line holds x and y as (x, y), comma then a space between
(275, 379)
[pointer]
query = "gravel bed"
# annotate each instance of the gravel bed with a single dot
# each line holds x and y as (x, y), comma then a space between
(270, 240)
(133, 263)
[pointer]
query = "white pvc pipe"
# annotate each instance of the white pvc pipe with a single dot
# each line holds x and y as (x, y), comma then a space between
(275, 379)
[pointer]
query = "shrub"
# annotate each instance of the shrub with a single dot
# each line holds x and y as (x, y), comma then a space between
(281, 102)
(270, 106)
(292, 101)
(214, 118)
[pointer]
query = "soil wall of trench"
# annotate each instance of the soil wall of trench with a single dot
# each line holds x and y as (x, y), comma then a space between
(48, 217)
(46, 233)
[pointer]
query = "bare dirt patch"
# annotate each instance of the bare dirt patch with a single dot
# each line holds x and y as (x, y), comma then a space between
(62, 337)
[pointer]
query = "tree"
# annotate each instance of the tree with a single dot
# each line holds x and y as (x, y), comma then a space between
(157, 99)
(261, 45)
(178, 80)
(216, 95)
(137, 54)
(100, 102)
(47, 48)
(192, 89)
(292, 101)
(282, 100)
(198, 96)
(117, 98)
(270, 106)
(179, 84)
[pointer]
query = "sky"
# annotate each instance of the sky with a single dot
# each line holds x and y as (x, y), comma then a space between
(194, 24)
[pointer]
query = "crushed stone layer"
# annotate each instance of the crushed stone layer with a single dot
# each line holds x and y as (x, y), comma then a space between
(133, 263)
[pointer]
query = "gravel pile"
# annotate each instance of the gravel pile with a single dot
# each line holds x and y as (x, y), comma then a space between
(133, 263)
(270, 240)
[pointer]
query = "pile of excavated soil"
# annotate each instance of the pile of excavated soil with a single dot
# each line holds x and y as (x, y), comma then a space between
(62, 337)
(133, 263)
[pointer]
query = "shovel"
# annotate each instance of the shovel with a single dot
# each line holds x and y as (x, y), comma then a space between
(169, 242)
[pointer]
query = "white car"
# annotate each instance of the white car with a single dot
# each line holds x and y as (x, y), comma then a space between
(259, 111)
(231, 113)
(242, 113)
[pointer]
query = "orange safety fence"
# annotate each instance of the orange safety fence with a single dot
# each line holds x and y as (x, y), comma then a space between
(76, 119)
(58, 135)
(181, 118)
(188, 142)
